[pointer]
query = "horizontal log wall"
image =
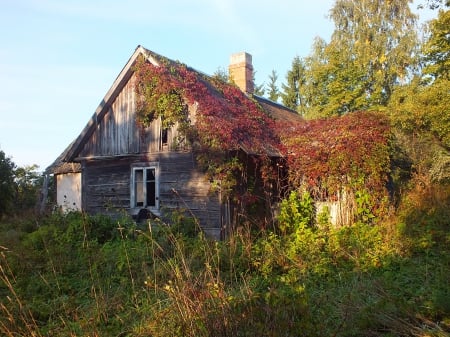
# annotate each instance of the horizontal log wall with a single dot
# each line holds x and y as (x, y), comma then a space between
(183, 186)
(106, 187)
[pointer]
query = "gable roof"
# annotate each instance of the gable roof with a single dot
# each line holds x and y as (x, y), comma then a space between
(272, 109)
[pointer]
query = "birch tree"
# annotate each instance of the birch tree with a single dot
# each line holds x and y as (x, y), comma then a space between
(372, 49)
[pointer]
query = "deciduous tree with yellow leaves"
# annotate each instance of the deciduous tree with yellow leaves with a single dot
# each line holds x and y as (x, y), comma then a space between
(372, 49)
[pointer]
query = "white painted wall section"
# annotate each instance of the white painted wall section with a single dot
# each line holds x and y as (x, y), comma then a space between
(68, 193)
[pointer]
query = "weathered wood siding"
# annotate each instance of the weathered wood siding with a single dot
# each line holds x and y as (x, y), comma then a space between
(106, 187)
(119, 134)
(119, 142)
(182, 186)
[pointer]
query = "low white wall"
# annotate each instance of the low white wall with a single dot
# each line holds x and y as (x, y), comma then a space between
(68, 191)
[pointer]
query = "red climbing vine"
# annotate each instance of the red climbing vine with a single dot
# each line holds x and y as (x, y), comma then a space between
(349, 152)
(225, 121)
(226, 118)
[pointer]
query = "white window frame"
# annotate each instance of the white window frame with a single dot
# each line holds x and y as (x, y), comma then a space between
(145, 167)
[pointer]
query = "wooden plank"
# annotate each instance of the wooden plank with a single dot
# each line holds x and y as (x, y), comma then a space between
(106, 185)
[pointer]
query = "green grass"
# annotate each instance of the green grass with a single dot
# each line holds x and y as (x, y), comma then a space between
(76, 275)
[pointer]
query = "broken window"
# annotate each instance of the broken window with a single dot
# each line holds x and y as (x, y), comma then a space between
(144, 191)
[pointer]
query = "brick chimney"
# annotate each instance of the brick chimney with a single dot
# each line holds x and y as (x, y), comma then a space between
(241, 71)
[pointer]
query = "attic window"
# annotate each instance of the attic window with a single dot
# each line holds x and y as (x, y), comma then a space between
(164, 136)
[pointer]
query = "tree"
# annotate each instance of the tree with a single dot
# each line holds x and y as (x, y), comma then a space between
(258, 90)
(423, 106)
(292, 95)
(420, 110)
(7, 186)
(420, 114)
(436, 50)
(435, 4)
(371, 50)
(273, 92)
(221, 74)
(317, 77)
(28, 183)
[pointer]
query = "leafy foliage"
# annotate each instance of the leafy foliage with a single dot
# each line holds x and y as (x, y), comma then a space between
(316, 93)
(19, 187)
(225, 119)
(419, 111)
(75, 275)
(437, 48)
(349, 152)
(435, 4)
(420, 114)
(296, 211)
(28, 183)
(371, 50)
(221, 74)
(6, 183)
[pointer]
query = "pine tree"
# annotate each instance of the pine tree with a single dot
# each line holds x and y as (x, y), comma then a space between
(258, 90)
(292, 95)
(273, 92)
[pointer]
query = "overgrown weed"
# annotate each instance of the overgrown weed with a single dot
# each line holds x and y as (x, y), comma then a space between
(76, 275)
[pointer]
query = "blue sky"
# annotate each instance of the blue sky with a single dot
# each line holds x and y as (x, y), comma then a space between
(58, 58)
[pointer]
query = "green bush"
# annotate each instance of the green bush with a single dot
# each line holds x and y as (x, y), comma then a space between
(77, 275)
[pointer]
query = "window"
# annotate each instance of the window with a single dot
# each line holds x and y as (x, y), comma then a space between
(164, 137)
(144, 191)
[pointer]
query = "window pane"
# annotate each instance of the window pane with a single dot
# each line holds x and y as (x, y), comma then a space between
(164, 134)
(151, 174)
(151, 187)
(139, 187)
(151, 196)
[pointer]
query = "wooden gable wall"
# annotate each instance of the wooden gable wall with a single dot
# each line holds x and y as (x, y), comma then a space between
(117, 132)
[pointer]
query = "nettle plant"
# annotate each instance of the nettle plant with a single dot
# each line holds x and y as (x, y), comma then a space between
(225, 120)
(337, 156)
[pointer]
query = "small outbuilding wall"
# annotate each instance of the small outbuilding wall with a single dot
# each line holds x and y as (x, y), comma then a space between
(68, 192)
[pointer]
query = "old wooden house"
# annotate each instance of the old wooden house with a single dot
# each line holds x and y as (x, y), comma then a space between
(118, 165)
